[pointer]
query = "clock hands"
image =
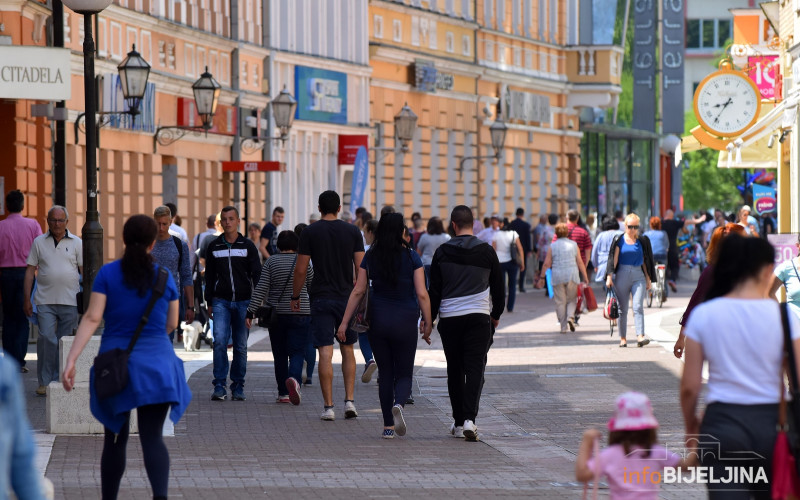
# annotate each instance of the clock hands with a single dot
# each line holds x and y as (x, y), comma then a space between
(724, 105)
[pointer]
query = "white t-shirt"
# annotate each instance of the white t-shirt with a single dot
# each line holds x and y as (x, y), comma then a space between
(503, 241)
(742, 340)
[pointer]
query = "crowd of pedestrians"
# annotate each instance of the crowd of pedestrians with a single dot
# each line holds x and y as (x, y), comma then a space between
(457, 274)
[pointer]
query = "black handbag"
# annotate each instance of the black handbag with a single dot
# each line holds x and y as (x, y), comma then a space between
(267, 314)
(514, 251)
(111, 367)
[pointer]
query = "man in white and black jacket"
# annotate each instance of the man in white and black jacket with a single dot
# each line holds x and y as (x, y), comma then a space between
(233, 268)
(467, 292)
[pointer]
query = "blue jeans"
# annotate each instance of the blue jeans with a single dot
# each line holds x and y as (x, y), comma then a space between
(363, 344)
(229, 323)
(289, 338)
(15, 325)
(511, 269)
(310, 357)
(628, 281)
(55, 321)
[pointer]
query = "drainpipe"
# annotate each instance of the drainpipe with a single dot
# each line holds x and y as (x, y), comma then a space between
(60, 143)
(266, 152)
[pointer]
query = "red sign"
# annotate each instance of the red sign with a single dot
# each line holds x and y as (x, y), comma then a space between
(224, 121)
(348, 147)
(253, 166)
(763, 70)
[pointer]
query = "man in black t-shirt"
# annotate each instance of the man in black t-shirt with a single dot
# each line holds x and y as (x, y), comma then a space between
(269, 234)
(671, 226)
(336, 249)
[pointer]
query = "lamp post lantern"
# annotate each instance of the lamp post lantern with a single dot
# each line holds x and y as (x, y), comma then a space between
(206, 95)
(133, 73)
(405, 124)
(283, 110)
(498, 131)
(92, 231)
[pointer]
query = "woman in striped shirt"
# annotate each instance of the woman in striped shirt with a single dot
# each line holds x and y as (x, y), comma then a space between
(290, 333)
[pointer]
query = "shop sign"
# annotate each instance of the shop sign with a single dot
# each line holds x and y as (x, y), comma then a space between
(672, 65)
(763, 70)
(41, 73)
(644, 64)
(224, 121)
(112, 100)
(764, 199)
(321, 95)
(785, 247)
(349, 146)
(527, 107)
(253, 166)
(427, 78)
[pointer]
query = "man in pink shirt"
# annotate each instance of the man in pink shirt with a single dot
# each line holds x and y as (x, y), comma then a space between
(16, 237)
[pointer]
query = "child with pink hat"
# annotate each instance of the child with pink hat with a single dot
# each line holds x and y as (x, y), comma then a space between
(633, 463)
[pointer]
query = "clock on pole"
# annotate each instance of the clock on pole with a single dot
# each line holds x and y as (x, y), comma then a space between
(726, 103)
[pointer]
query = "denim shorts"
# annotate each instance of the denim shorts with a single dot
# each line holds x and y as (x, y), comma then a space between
(326, 316)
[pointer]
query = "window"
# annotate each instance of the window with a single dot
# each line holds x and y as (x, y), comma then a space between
(489, 50)
(707, 33)
(377, 26)
(433, 42)
(466, 43)
(415, 31)
(397, 30)
(450, 45)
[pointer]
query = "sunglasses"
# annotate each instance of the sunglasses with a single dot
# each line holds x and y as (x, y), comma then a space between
(633, 227)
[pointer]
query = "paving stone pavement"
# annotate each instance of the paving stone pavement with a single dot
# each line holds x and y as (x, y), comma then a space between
(542, 390)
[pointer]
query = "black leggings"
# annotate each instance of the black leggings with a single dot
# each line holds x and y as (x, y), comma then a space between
(156, 456)
(393, 338)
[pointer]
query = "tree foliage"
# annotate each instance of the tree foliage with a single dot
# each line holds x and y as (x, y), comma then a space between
(704, 184)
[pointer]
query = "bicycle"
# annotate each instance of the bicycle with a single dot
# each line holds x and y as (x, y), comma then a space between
(658, 289)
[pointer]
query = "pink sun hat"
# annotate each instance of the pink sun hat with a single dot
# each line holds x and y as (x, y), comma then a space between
(633, 413)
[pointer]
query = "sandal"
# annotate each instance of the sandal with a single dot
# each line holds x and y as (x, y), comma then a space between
(624, 345)
(643, 342)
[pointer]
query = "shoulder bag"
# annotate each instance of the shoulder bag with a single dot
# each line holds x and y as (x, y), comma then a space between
(514, 251)
(359, 323)
(268, 313)
(111, 367)
(784, 482)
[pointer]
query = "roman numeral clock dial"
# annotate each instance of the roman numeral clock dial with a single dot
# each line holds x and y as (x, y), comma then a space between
(727, 102)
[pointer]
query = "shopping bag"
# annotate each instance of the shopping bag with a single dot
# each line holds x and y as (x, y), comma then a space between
(589, 300)
(549, 279)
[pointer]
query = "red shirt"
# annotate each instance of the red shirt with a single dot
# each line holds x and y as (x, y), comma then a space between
(582, 238)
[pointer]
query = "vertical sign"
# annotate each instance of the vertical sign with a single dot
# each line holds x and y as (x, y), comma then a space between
(644, 64)
(360, 178)
(672, 77)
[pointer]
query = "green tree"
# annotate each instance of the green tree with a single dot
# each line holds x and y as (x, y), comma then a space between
(704, 184)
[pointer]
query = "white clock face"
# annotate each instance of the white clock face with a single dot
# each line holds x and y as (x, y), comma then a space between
(727, 103)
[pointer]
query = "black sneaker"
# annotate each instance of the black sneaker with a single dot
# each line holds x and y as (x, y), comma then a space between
(219, 394)
(410, 400)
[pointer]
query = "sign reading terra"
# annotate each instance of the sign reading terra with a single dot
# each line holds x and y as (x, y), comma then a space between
(41, 73)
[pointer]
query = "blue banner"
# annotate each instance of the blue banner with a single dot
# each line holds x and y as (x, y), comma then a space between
(321, 95)
(360, 179)
(764, 201)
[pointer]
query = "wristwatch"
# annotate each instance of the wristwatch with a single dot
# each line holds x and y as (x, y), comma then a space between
(296, 298)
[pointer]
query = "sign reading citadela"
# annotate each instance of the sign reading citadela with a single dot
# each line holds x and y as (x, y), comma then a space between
(41, 73)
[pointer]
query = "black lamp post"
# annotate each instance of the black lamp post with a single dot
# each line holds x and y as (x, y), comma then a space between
(92, 231)
(497, 131)
(206, 96)
(405, 124)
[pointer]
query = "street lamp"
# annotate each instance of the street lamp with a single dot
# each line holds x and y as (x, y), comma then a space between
(405, 124)
(206, 96)
(283, 110)
(92, 231)
(497, 131)
(133, 73)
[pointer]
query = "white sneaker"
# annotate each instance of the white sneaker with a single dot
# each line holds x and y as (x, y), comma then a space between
(327, 414)
(399, 421)
(456, 431)
(470, 430)
(350, 410)
(294, 390)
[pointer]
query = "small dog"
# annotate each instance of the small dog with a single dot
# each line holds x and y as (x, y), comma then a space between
(190, 334)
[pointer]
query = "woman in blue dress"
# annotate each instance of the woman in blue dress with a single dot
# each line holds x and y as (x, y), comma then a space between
(156, 380)
(398, 295)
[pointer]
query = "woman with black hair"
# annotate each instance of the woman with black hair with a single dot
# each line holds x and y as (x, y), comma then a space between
(398, 295)
(738, 330)
(289, 335)
(157, 382)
